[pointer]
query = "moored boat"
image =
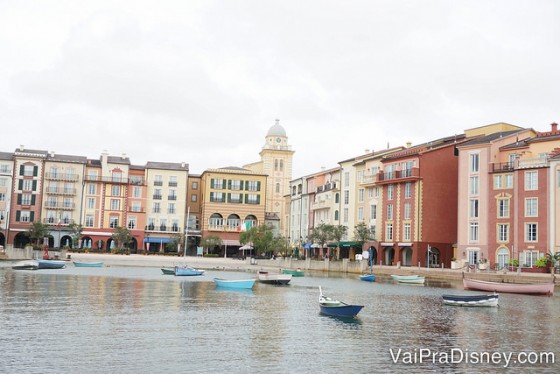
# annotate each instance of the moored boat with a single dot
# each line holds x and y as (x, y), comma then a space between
(234, 283)
(168, 271)
(80, 264)
(368, 278)
(271, 278)
(471, 300)
(51, 264)
(26, 265)
(412, 279)
(295, 273)
(337, 308)
(187, 271)
(522, 288)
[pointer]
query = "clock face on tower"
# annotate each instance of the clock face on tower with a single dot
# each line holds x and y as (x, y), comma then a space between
(278, 140)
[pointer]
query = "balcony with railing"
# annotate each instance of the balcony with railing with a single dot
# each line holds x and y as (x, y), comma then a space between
(61, 191)
(137, 181)
(327, 187)
(398, 176)
(51, 221)
(162, 228)
(62, 177)
(528, 163)
(157, 197)
(60, 206)
(172, 197)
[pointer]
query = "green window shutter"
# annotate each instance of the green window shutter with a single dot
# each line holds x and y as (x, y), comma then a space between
(18, 215)
(211, 196)
(229, 184)
(246, 198)
(34, 188)
(247, 185)
(258, 185)
(32, 216)
(20, 184)
(240, 198)
(258, 199)
(229, 197)
(35, 170)
(212, 183)
(21, 168)
(33, 199)
(19, 199)
(241, 185)
(224, 184)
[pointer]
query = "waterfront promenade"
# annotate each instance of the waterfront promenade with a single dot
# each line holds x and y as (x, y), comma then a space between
(249, 265)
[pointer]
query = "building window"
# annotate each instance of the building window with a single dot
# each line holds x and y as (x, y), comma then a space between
(115, 190)
(27, 185)
(336, 198)
(172, 195)
(252, 198)
(89, 220)
(406, 232)
(194, 198)
(275, 165)
(345, 212)
(281, 165)
(373, 211)
(235, 185)
(407, 210)
(137, 192)
(497, 181)
(376, 191)
(24, 216)
(360, 214)
(503, 258)
(114, 222)
(473, 257)
(503, 208)
(509, 180)
(474, 163)
(531, 207)
(473, 231)
(530, 232)
(131, 225)
(389, 211)
(136, 206)
(28, 171)
(346, 197)
(172, 181)
(529, 258)
(171, 208)
(503, 233)
(370, 192)
(90, 203)
(389, 231)
(115, 204)
(92, 189)
(277, 188)
(235, 198)
(156, 208)
(346, 179)
(473, 208)
(390, 191)
(252, 186)
(194, 185)
(407, 190)
(336, 215)
(26, 199)
(361, 195)
(531, 182)
(158, 180)
(473, 186)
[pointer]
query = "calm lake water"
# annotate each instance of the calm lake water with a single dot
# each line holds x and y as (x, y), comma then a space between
(136, 320)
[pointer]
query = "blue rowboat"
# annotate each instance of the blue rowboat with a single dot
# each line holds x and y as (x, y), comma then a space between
(50, 264)
(187, 271)
(88, 264)
(368, 278)
(234, 283)
(332, 307)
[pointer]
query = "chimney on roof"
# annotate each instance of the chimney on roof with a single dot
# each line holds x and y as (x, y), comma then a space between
(21, 147)
(408, 144)
(123, 156)
(51, 153)
(183, 164)
(554, 127)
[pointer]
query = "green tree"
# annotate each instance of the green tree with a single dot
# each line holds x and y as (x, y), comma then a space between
(122, 236)
(75, 232)
(363, 233)
(210, 242)
(322, 234)
(261, 238)
(37, 232)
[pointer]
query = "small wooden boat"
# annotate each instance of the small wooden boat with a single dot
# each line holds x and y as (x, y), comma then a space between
(332, 307)
(412, 279)
(80, 264)
(270, 278)
(471, 300)
(523, 288)
(234, 283)
(294, 273)
(368, 278)
(187, 271)
(26, 265)
(168, 271)
(51, 264)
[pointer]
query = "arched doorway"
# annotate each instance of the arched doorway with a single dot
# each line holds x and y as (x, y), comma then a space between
(503, 258)
(133, 245)
(406, 256)
(66, 242)
(21, 240)
(389, 255)
(86, 242)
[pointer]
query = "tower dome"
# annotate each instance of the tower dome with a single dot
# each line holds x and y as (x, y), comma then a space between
(276, 130)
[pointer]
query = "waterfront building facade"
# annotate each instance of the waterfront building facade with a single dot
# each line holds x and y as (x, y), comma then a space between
(6, 188)
(233, 200)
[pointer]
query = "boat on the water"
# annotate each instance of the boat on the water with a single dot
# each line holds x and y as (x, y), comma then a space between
(235, 283)
(294, 273)
(522, 288)
(471, 300)
(80, 264)
(272, 278)
(368, 277)
(168, 271)
(26, 265)
(187, 271)
(337, 308)
(412, 279)
(51, 264)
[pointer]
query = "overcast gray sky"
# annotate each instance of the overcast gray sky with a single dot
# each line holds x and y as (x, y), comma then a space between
(203, 81)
